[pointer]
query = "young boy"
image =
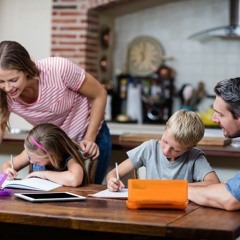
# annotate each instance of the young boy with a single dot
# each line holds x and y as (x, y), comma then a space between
(172, 157)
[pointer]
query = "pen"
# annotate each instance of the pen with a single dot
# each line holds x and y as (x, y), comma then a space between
(12, 162)
(116, 165)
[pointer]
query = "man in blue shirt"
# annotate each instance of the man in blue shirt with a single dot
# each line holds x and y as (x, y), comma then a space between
(227, 116)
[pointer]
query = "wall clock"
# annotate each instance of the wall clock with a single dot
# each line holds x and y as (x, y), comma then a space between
(145, 55)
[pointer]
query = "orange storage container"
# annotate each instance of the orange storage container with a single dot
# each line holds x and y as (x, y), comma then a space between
(144, 193)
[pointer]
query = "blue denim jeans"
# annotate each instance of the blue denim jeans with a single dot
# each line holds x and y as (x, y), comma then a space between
(104, 143)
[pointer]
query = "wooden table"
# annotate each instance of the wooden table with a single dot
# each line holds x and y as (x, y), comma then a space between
(110, 219)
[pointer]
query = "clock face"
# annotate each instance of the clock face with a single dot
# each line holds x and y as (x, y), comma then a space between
(145, 54)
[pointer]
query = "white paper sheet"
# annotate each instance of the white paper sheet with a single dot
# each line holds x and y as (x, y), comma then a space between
(108, 194)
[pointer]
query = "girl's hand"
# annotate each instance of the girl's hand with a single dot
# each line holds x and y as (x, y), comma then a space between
(115, 185)
(11, 173)
(90, 149)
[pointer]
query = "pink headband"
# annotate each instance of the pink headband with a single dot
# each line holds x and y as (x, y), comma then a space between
(38, 144)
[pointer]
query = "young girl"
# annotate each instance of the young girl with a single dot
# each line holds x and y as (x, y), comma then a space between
(172, 157)
(53, 155)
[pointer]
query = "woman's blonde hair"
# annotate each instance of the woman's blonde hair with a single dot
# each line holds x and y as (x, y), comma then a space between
(187, 127)
(47, 139)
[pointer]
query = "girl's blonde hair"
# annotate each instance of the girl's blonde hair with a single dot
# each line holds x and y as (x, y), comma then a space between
(187, 127)
(47, 139)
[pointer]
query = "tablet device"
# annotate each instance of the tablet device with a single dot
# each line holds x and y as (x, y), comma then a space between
(49, 197)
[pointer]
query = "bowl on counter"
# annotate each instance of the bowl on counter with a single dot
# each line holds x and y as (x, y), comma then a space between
(18, 131)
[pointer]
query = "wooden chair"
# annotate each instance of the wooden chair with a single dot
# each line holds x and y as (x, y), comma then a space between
(140, 173)
(91, 166)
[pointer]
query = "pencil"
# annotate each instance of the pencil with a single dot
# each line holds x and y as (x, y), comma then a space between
(12, 162)
(116, 165)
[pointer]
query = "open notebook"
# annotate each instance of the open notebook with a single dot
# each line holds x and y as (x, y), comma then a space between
(31, 184)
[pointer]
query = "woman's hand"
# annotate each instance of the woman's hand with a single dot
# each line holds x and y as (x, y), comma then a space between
(115, 185)
(89, 148)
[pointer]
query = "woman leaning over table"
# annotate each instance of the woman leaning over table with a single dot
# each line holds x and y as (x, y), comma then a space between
(57, 91)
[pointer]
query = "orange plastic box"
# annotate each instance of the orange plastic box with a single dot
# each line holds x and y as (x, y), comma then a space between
(144, 193)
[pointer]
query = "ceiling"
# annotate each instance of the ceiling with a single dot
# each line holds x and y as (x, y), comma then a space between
(122, 7)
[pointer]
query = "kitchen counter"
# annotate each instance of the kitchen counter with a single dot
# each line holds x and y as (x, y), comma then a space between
(119, 129)
(122, 128)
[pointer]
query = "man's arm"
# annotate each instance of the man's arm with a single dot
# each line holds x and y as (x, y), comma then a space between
(215, 195)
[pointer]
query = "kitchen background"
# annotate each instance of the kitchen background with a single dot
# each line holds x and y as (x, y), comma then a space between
(71, 28)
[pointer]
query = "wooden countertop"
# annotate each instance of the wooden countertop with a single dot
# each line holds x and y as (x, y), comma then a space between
(119, 130)
(213, 151)
(142, 137)
(122, 128)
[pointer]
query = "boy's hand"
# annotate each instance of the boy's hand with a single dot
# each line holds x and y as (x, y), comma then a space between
(115, 185)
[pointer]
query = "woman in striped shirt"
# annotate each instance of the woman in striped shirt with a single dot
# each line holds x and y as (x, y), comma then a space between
(57, 91)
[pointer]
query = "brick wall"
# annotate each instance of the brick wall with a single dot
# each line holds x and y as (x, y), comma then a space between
(75, 31)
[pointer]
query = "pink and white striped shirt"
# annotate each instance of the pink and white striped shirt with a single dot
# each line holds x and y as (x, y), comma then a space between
(59, 101)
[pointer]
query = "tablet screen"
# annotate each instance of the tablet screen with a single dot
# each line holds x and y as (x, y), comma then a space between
(52, 196)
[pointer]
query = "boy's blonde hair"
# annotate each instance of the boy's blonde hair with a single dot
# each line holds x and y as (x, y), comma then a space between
(187, 127)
